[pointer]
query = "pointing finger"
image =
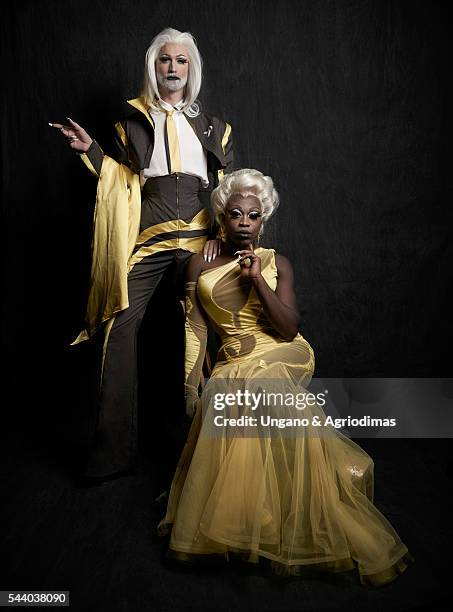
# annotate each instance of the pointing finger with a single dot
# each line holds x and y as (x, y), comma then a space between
(74, 124)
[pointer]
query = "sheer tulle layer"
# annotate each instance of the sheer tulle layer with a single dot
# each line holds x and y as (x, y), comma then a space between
(300, 503)
(302, 571)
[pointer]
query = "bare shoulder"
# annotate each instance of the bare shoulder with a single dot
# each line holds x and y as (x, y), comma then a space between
(194, 267)
(284, 266)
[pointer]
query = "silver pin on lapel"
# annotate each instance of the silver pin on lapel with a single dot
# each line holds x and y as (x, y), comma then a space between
(207, 133)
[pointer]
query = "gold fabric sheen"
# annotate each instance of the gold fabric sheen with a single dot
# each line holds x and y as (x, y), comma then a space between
(116, 225)
(86, 160)
(195, 245)
(195, 345)
(226, 135)
(121, 133)
(173, 143)
(140, 104)
(296, 503)
(201, 221)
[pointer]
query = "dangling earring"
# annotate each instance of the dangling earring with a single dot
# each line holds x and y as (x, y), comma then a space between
(221, 234)
(260, 233)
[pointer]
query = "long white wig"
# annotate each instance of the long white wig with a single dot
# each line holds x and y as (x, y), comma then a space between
(245, 182)
(150, 89)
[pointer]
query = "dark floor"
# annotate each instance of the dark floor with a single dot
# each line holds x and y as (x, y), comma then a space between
(100, 543)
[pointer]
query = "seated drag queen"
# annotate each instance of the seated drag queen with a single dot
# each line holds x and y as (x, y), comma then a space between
(297, 500)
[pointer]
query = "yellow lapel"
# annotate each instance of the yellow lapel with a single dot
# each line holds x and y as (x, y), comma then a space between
(139, 104)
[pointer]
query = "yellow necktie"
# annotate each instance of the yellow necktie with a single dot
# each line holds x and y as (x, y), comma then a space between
(173, 143)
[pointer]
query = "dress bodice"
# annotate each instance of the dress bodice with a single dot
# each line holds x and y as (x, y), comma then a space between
(231, 302)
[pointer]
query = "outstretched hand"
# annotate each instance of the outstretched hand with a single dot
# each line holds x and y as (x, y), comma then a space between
(75, 135)
(250, 264)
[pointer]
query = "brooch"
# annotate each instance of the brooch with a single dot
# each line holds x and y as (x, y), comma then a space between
(207, 133)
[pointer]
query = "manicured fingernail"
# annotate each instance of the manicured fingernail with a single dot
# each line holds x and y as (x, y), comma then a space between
(209, 260)
(51, 124)
(69, 119)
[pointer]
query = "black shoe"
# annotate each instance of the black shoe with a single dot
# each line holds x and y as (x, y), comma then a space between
(98, 481)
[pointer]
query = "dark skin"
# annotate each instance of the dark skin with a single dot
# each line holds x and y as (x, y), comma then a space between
(242, 222)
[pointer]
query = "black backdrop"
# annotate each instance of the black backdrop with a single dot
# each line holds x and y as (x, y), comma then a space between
(343, 103)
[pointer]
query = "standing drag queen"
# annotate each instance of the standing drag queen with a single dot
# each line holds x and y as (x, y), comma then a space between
(294, 500)
(151, 213)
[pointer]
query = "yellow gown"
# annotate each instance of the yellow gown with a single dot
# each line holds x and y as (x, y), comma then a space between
(301, 501)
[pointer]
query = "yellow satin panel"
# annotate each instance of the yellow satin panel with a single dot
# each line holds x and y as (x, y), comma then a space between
(194, 245)
(86, 160)
(195, 345)
(201, 221)
(116, 225)
(226, 136)
(140, 104)
(121, 133)
(293, 502)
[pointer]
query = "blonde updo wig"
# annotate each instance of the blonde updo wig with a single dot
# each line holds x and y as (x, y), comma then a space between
(245, 182)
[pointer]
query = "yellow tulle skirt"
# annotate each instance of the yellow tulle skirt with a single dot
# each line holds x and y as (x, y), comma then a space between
(295, 503)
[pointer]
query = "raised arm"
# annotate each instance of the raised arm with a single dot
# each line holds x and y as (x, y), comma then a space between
(195, 335)
(280, 307)
(89, 150)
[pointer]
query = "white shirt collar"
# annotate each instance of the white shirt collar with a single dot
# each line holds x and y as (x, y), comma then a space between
(166, 106)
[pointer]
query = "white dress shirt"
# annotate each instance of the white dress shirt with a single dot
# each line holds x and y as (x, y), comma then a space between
(193, 156)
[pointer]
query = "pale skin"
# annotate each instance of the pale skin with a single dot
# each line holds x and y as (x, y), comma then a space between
(171, 65)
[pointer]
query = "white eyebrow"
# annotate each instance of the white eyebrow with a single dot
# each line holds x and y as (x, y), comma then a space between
(169, 55)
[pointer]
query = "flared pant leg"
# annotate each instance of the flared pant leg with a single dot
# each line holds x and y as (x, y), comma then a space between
(115, 439)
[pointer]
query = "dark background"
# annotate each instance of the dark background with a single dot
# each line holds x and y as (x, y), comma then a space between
(344, 104)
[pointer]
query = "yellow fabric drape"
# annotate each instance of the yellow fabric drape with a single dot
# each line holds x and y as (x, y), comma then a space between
(294, 501)
(116, 226)
(195, 346)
